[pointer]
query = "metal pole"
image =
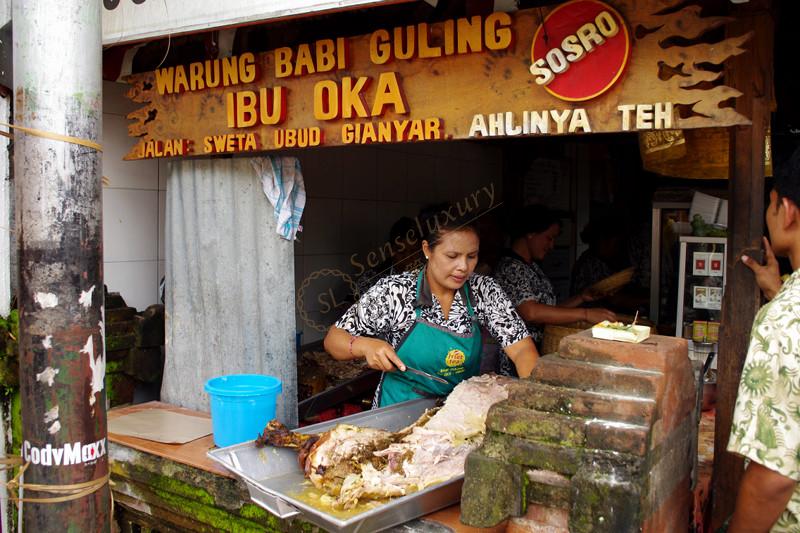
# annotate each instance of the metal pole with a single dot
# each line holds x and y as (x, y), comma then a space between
(5, 259)
(5, 285)
(58, 89)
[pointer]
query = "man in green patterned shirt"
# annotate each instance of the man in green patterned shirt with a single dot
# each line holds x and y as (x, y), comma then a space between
(766, 420)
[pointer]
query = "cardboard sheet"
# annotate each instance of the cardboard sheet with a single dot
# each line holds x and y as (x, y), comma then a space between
(161, 426)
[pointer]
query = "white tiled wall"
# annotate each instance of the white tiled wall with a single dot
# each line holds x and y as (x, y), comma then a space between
(133, 209)
(356, 194)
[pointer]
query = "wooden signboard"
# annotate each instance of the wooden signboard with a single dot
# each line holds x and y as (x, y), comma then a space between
(584, 66)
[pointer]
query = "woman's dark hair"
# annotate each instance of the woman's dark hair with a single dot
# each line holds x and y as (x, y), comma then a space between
(401, 229)
(787, 179)
(532, 219)
(439, 220)
(606, 226)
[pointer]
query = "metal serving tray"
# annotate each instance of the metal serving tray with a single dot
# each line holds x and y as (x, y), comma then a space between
(272, 475)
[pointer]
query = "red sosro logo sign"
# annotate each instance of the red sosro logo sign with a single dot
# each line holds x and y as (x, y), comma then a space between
(580, 50)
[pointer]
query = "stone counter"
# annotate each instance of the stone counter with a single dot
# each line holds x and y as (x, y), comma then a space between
(170, 487)
(160, 493)
(601, 438)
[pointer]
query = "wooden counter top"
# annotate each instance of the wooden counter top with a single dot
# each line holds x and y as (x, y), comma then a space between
(192, 453)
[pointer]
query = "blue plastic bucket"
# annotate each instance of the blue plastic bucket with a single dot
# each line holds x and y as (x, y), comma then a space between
(241, 405)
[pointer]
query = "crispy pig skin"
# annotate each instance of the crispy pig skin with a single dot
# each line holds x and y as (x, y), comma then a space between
(276, 434)
(354, 464)
(351, 463)
(340, 452)
(305, 449)
(433, 451)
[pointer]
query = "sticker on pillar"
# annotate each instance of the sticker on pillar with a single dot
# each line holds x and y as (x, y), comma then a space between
(74, 453)
(580, 50)
(51, 415)
(51, 418)
(48, 375)
(46, 299)
(98, 367)
(86, 297)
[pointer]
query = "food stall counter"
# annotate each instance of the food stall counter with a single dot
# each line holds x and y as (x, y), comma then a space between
(178, 486)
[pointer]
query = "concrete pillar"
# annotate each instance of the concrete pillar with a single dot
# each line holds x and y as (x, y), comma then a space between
(58, 90)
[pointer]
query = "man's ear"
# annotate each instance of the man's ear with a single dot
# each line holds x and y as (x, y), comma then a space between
(791, 213)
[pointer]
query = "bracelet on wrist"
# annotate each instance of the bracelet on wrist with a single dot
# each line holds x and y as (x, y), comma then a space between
(352, 340)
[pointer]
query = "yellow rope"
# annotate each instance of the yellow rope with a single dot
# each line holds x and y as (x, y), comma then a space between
(7, 463)
(69, 492)
(53, 136)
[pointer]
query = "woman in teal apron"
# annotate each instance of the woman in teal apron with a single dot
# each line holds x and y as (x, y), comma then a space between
(422, 328)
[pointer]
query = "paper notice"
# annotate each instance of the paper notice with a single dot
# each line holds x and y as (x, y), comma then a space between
(160, 425)
(700, 264)
(716, 263)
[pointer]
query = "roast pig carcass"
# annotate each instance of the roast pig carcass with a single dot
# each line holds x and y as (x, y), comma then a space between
(350, 463)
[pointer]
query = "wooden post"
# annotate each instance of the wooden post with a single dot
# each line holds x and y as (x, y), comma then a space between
(750, 73)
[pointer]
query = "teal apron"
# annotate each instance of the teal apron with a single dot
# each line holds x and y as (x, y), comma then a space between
(435, 350)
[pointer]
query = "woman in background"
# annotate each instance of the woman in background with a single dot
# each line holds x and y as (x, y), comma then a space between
(533, 231)
(605, 255)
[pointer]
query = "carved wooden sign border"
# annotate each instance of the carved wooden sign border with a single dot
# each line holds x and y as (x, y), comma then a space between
(457, 79)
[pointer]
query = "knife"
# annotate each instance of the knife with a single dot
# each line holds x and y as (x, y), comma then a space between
(426, 375)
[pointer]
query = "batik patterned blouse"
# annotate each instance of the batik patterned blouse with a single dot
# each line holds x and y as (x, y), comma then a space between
(524, 282)
(387, 310)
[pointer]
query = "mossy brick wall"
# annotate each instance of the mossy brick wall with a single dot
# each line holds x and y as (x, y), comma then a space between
(9, 354)
(9, 390)
(180, 497)
(133, 348)
(600, 433)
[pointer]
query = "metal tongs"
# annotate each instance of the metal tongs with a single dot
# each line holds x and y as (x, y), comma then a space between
(426, 375)
(707, 363)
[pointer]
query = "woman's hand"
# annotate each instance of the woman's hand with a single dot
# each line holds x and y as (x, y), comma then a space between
(344, 347)
(589, 295)
(595, 315)
(768, 276)
(378, 354)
